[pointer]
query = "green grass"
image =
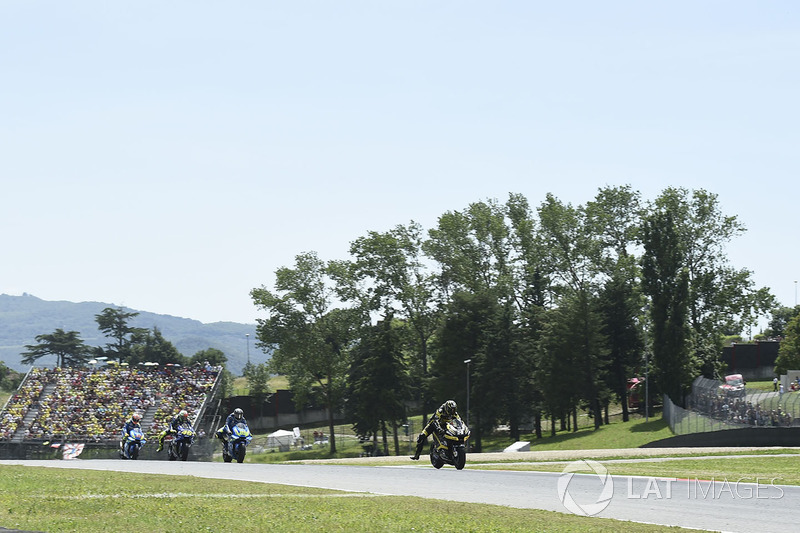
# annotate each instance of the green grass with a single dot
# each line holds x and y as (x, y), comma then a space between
(632, 434)
(765, 386)
(241, 387)
(45, 499)
(764, 469)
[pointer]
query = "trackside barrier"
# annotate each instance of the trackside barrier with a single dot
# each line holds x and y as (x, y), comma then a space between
(710, 408)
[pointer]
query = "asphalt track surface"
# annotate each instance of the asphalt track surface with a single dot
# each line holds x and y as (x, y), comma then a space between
(718, 505)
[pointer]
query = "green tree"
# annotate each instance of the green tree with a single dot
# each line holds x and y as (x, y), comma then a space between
(151, 346)
(721, 299)
(400, 283)
(67, 346)
(310, 337)
(619, 306)
(115, 323)
(212, 356)
(780, 317)
(614, 218)
(9, 379)
(463, 335)
(474, 249)
(258, 380)
(789, 350)
(378, 384)
(532, 286)
(575, 257)
(665, 280)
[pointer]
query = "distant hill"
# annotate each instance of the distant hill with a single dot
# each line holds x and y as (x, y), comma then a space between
(22, 318)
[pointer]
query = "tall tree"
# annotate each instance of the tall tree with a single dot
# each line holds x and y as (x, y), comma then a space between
(614, 218)
(310, 337)
(789, 350)
(67, 346)
(722, 299)
(463, 335)
(115, 323)
(619, 306)
(478, 250)
(400, 283)
(780, 318)
(574, 253)
(151, 346)
(665, 280)
(378, 384)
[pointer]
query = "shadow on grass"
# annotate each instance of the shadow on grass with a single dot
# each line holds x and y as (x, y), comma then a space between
(655, 424)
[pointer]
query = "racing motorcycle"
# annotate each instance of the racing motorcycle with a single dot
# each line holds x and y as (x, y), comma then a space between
(236, 447)
(180, 443)
(449, 445)
(132, 443)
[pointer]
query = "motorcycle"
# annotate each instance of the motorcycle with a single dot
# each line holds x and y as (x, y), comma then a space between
(132, 443)
(236, 447)
(180, 443)
(449, 446)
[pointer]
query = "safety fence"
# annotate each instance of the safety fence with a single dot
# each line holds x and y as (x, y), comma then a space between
(711, 407)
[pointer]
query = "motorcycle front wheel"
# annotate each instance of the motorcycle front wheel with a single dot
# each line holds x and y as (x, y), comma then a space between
(133, 451)
(184, 452)
(240, 451)
(459, 457)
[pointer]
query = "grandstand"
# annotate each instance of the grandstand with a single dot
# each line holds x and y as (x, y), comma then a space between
(81, 405)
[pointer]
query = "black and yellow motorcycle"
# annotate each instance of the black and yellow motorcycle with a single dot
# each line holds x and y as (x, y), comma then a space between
(449, 446)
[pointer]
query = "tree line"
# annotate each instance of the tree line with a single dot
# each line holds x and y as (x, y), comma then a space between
(554, 307)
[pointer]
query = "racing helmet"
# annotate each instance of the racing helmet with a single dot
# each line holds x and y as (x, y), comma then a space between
(136, 417)
(183, 414)
(238, 414)
(449, 408)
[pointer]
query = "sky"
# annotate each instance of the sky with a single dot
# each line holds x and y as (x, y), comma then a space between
(170, 156)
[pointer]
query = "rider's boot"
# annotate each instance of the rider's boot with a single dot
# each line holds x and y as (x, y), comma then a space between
(420, 445)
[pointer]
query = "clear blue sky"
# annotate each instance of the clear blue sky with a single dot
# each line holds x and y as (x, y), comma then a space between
(169, 156)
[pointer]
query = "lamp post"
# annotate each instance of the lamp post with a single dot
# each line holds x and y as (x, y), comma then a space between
(248, 347)
(467, 362)
(646, 386)
(795, 293)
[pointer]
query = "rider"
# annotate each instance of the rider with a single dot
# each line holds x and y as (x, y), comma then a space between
(445, 413)
(133, 422)
(181, 419)
(234, 418)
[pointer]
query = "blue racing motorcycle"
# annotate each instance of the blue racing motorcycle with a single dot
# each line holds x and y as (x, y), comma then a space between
(132, 443)
(236, 445)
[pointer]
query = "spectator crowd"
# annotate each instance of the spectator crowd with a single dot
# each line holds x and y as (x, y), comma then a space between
(91, 405)
(738, 410)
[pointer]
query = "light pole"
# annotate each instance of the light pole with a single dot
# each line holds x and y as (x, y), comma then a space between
(248, 347)
(795, 293)
(467, 362)
(646, 386)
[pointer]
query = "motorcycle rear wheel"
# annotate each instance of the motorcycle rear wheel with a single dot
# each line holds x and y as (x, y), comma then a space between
(436, 461)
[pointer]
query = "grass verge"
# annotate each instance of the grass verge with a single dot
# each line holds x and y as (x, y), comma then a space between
(764, 469)
(47, 499)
